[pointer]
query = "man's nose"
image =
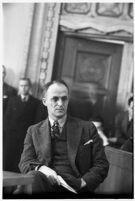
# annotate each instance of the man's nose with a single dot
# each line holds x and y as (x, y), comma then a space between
(60, 102)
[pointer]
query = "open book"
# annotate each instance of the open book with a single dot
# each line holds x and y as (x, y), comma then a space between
(65, 185)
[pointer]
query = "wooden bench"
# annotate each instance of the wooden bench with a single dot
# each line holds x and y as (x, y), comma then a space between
(118, 181)
(15, 179)
(120, 175)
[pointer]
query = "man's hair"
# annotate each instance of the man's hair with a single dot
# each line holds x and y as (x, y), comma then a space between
(59, 82)
(26, 79)
(130, 100)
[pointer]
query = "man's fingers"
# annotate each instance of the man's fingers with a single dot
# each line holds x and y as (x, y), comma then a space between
(51, 174)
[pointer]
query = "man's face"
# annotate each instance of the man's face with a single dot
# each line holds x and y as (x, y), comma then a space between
(24, 87)
(56, 100)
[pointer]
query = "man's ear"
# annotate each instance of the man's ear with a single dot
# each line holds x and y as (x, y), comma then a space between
(44, 101)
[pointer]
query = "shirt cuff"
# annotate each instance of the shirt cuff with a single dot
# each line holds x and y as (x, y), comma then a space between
(83, 183)
(37, 167)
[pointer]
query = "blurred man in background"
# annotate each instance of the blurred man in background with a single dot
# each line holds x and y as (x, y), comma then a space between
(124, 126)
(8, 91)
(20, 114)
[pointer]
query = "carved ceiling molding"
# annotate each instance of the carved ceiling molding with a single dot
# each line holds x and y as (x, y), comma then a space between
(102, 9)
(98, 18)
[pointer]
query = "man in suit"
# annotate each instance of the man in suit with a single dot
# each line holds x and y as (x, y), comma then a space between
(20, 114)
(124, 126)
(63, 145)
(8, 91)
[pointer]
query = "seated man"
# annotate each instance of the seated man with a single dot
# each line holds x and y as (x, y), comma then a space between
(124, 125)
(63, 150)
(20, 114)
(128, 145)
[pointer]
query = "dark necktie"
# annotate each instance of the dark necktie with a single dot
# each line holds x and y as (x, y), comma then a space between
(55, 129)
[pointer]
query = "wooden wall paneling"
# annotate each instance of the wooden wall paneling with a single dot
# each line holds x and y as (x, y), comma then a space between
(89, 63)
(126, 76)
(107, 21)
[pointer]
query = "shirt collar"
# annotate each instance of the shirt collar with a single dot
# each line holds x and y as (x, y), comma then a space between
(60, 121)
(26, 97)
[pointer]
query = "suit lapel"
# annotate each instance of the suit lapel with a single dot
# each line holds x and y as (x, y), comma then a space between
(73, 139)
(44, 142)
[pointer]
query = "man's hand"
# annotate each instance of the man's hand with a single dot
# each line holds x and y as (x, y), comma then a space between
(50, 174)
(83, 183)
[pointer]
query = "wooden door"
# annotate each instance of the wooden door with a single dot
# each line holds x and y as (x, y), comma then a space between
(91, 68)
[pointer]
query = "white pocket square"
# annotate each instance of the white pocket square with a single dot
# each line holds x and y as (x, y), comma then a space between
(88, 142)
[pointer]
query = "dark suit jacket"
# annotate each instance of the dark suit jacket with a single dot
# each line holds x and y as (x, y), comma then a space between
(18, 117)
(87, 161)
(42, 112)
(8, 92)
(123, 130)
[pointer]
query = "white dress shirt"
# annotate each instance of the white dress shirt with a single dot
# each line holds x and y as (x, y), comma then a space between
(60, 121)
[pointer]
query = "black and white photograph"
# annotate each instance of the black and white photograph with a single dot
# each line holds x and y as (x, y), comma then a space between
(67, 99)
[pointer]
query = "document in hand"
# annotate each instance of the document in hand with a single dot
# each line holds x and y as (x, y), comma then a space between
(48, 171)
(65, 185)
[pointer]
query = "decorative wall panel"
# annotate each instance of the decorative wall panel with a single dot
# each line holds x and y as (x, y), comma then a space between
(109, 9)
(78, 8)
(98, 18)
(92, 68)
(112, 22)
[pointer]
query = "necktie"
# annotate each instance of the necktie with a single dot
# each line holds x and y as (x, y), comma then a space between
(55, 129)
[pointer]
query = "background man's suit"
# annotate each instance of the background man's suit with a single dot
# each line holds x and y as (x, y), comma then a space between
(124, 127)
(8, 92)
(19, 116)
(85, 151)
